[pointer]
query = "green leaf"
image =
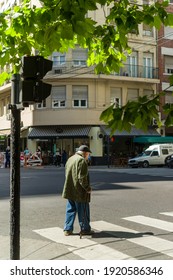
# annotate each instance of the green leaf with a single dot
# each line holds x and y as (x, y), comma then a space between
(157, 22)
(3, 77)
(106, 115)
(66, 31)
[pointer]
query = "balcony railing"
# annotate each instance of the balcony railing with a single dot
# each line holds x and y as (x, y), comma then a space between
(128, 70)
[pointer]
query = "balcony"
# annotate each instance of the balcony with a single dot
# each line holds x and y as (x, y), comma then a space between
(70, 69)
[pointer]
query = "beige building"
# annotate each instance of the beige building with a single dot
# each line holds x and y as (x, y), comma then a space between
(69, 117)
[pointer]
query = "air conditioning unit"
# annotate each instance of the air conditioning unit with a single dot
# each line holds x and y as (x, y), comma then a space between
(8, 117)
(58, 71)
(154, 121)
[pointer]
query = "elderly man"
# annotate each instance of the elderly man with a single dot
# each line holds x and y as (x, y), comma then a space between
(77, 192)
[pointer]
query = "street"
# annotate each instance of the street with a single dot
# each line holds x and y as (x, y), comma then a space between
(131, 213)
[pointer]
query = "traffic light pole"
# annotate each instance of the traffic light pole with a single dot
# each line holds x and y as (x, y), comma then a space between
(108, 150)
(15, 171)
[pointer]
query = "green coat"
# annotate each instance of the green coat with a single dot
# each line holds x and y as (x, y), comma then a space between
(76, 179)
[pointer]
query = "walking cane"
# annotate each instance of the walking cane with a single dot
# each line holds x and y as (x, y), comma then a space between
(84, 215)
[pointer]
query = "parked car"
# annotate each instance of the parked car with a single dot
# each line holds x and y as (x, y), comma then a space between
(169, 161)
(133, 162)
(153, 155)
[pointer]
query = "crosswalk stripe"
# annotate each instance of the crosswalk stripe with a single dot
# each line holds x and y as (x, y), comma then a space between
(167, 226)
(88, 249)
(150, 242)
(84, 247)
(105, 226)
(167, 213)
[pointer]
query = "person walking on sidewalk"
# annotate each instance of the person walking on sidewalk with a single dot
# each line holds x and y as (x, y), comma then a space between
(77, 191)
(7, 157)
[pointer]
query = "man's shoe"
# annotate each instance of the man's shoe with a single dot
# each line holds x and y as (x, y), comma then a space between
(87, 232)
(68, 232)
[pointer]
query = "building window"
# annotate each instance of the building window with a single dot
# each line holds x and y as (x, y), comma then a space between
(148, 92)
(132, 68)
(147, 30)
(168, 32)
(41, 105)
(168, 64)
(80, 96)
(148, 65)
(58, 59)
(58, 97)
(169, 97)
(132, 94)
(116, 96)
(79, 57)
(146, 2)
(2, 106)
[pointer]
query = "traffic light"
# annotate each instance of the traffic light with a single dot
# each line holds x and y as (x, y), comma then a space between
(112, 139)
(33, 89)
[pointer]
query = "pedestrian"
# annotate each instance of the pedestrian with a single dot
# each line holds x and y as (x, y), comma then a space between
(38, 152)
(7, 157)
(64, 157)
(77, 191)
(58, 159)
(26, 156)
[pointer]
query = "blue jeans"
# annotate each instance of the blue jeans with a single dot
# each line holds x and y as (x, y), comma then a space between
(83, 210)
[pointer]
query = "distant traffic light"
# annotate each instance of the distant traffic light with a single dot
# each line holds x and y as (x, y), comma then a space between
(33, 89)
(112, 139)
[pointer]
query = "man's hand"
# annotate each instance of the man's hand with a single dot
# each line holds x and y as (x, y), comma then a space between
(89, 190)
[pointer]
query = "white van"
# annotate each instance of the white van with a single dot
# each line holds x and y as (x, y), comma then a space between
(153, 155)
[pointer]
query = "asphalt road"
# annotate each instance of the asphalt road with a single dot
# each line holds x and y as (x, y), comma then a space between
(117, 195)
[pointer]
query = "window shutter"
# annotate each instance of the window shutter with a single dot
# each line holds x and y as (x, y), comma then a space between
(80, 92)
(133, 94)
(80, 54)
(116, 92)
(59, 92)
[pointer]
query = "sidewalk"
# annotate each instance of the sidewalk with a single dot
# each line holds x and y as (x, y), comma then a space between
(36, 249)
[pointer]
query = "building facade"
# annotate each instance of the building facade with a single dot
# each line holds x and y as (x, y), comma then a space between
(70, 116)
(165, 63)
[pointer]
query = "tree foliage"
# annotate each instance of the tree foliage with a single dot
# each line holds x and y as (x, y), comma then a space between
(58, 25)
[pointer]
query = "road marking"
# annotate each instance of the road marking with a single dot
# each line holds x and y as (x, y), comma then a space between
(167, 213)
(84, 247)
(156, 223)
(150, 242)
(88, 249)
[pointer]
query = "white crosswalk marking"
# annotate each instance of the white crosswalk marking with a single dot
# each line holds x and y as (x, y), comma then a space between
(89, 249)
(167, 213)
(85, 248)
(167, 226)
(151, 242)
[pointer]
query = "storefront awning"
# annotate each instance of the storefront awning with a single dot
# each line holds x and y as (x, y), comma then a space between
(5, 132)
(45, 132)
(154, 139)
(134, 132)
